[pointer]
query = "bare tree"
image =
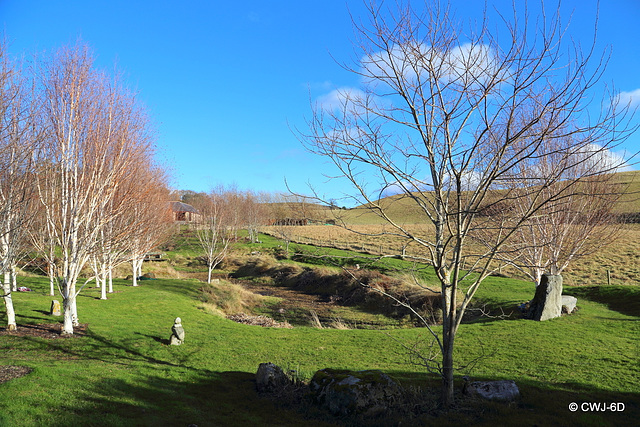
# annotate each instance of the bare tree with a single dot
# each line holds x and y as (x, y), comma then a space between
(18, 151)
(96, 134)
(217, 226)
(42, 238)
(254, 213)
(148, 217)
(580, 220)
(288, 211)
(444, 117)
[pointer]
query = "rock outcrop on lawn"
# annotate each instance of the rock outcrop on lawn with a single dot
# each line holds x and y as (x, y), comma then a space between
(270, 378)
(505, 390)
(343, 392)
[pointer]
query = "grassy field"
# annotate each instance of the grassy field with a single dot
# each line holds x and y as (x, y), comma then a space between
(621, 258)
(618, 263)
(123, 372)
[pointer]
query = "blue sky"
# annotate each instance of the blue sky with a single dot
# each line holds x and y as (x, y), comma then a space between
(226, 81)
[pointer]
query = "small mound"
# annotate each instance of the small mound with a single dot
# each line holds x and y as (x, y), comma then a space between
(8, 373)
(263, 321)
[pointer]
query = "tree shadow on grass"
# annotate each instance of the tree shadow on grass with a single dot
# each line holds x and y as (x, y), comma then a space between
(208, 398)
(202, 398)
(45, 312)
(99, 348)
(623, 299)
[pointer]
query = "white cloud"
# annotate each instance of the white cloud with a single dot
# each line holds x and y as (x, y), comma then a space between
(467, 64)
(597, 158)
(337, 99)
(473, 64)
(629, 98)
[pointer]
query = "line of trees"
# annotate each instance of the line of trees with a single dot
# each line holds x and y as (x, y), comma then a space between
(78, 181)
(223, 211)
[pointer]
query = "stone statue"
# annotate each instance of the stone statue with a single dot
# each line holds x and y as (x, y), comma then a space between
(177, 336)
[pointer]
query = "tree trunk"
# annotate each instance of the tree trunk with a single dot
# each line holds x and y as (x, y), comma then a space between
(110, 280)
(74, 308)
(14, 281)
(97, 272)
(50, 272)
(103, 288)
(209, 273)
(135, 271)
(68, 295)
(447, 369)
(8, 303)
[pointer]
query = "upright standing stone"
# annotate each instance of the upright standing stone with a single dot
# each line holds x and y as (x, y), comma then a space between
(177, 335)
(547, 302)
(55, 308)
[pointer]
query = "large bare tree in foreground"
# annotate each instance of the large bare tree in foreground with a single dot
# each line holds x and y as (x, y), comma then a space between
(447, 116)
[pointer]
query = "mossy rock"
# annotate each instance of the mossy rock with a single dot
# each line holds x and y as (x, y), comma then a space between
(369, 393)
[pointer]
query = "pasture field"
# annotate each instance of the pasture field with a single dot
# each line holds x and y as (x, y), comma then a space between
(621, 258)
(364, 231)
(122, 372)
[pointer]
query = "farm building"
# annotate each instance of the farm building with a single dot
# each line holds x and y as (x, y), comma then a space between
(183, 212)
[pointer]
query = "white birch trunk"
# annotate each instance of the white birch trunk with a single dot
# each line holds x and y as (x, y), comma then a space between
(67, 299)
(8, 303)
(135, 272)
(52, 290)
(74, 308)
(103, 289)
(14, 280)
(110, 280)
(96, 272)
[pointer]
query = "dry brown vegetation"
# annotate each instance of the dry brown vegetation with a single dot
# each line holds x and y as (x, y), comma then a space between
(621, 258)
(353, 287)
(225, 298)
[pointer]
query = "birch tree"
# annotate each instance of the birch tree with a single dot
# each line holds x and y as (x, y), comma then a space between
(580, 220)
(149, 218)
(443, 117)
(254, 213)
(216, 227)
(95, 137)
(18, 151)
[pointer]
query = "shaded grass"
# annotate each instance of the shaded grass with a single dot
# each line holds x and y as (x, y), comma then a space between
(623, 299)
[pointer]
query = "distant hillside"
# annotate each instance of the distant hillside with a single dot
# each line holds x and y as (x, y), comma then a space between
(404, 210)
(630, 201)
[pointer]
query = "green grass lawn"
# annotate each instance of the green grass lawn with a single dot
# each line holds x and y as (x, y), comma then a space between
(123, 372)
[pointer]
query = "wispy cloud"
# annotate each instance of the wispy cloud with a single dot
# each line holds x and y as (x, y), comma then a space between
(338, 98)
(467, 64)
(629, 98)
